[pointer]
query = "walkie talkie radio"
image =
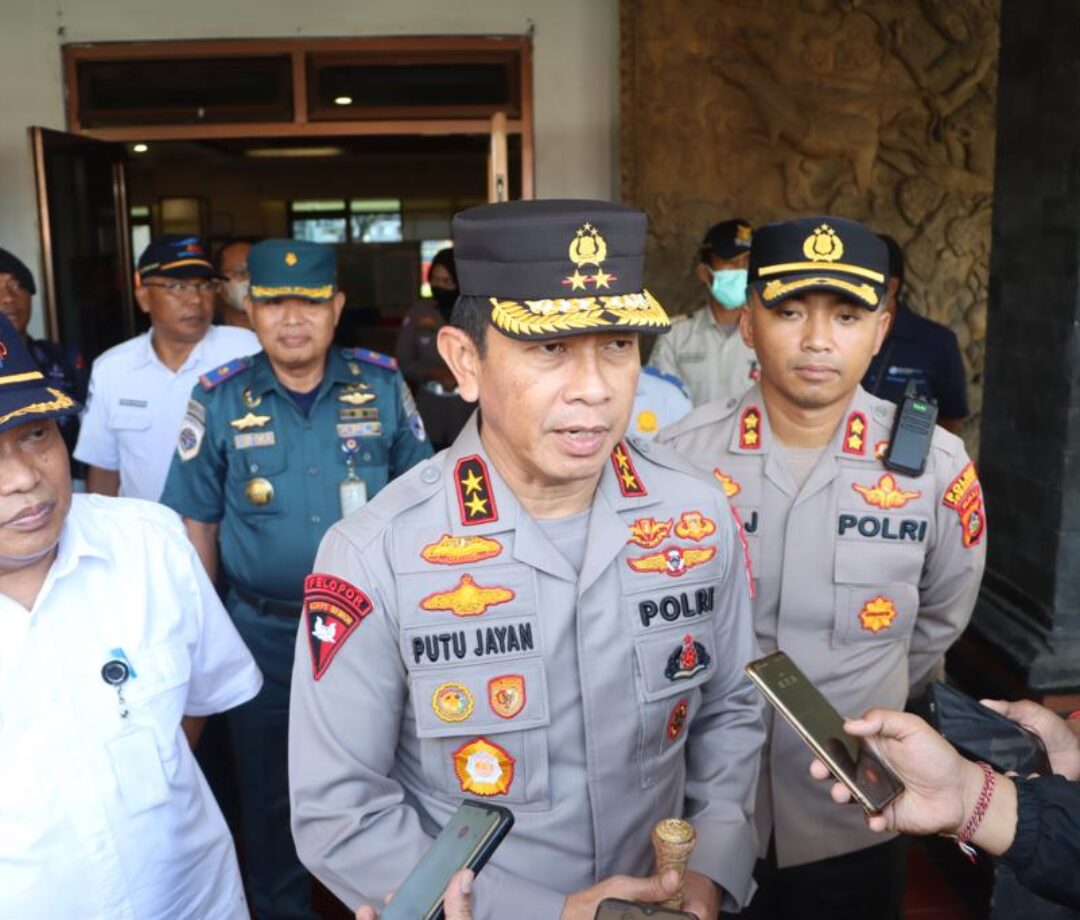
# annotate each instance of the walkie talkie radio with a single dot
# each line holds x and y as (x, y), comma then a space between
(913, 430)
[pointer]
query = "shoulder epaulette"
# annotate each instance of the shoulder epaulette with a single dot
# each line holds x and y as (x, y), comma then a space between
(211, 379)
(371, 357)
(668, 378)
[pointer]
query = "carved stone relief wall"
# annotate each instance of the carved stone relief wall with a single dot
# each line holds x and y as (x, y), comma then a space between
(878, 110)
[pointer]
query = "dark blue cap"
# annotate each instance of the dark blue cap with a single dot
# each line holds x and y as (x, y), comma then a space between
(549, 269)
(176, 256)
(12, 265)
(727, 239)
(24, 396)
(796, 257)
(292, 268)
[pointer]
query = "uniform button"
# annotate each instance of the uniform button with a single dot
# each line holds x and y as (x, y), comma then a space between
(312, 470)
(366, 458)
(315, 519)
(430, 475)
(254, 468)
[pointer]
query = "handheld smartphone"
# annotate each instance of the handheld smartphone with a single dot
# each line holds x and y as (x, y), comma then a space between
(617, 909)
(982, 734)
(471, 835)
(819, 725)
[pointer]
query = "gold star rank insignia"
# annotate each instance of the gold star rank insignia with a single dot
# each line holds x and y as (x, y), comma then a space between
(473, 486)
(854, 440)
(750, 428)
(626, 475)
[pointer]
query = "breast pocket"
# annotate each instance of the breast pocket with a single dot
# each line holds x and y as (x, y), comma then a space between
(156, 694)
(483, 731)
(876, 592)
(672, 665)
(256, 478)
(126, 419)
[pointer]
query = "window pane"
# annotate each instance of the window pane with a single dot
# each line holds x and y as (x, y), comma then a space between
(375, 205)
(307, 207)
(376, 228)
(319, 229)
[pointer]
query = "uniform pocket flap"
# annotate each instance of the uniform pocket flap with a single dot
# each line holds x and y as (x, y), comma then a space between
(480, 699)
(156, 670)
(674, 661)
(129, 419)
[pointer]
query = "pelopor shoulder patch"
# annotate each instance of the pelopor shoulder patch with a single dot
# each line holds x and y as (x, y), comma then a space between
(964, 496)
(333, 609)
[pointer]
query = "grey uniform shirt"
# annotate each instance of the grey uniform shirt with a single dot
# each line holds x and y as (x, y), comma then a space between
(710, 358)
(591, 704)
(863, 576)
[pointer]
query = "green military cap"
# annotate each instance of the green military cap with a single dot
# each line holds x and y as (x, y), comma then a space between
(819, 254)
(292, 268)
(549, 269)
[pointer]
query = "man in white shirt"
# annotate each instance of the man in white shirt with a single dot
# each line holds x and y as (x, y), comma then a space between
(704, 350)
(113, 648)
(139, 389)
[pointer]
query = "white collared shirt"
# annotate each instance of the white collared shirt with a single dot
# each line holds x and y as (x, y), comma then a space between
(102, 815)
(135, 406)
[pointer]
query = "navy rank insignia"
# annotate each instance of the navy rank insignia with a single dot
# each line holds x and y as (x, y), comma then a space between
(475, 499)
(688, 659)
(333, 609)
(483, 768)
(750, 429)
(855, 434)
(630, 483)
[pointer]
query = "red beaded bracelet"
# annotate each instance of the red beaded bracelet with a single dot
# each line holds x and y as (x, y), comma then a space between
(963, 839)
(1075, 714)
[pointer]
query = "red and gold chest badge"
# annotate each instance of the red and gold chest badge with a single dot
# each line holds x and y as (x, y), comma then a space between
(333, 608)
(885, 493)
(452, 702)
(677, 720)
(673, 561)
(730, 486)
(483, 768)
(688, 659)
(506, 695)
(630, 483)
(475, 499)
(964, 496)
(877, 614)
(468, 599)
(693, 525)
(750, 429)
(460, 550)
(649, 532)
(855, 434)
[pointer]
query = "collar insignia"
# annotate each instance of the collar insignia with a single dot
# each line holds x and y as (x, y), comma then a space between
(630, 483)
(475, 499)
(750, 429)
(855, 435)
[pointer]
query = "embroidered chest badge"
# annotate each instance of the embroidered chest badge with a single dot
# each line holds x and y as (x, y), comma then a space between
(452, 702)
(460, 550)
(688, 659)
(468, 599)
(673, 561)
(886, 493)
(649, 533)
(483, 768)
(506, 695)
(693, 525)
(877, 614)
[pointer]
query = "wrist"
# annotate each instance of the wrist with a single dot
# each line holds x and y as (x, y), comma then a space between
(971, 781)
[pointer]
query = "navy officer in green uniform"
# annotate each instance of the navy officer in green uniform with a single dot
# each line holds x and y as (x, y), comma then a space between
(273, 450)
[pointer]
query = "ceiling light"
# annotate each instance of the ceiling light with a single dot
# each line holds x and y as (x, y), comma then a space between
(298, 152)
(343, 100)
(140, 148)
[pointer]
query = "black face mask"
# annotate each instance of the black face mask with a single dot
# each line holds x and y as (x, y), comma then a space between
(445, 298)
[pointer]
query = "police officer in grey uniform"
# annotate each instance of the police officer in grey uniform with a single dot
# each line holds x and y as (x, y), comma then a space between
(545, 614)
(273, 450)
(864, 575)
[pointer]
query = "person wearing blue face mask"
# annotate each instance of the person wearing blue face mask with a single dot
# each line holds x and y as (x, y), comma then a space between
(704, 349)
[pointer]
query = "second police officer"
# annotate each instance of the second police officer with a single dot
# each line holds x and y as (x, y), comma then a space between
(273, 450)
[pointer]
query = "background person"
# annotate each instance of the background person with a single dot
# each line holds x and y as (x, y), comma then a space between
(231, 263)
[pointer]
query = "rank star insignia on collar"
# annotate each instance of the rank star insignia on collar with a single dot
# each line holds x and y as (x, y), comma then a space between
(693, 525)
(855, 434)
(688, 659)
(673, 561)
(750, 429)
(468, 599)
(626, 474)
(452, 702)
(877, 614)
(506, 695)
(251, 420)
(460, 550)
(649, 533)
(886, 493)
(475, 499)
(333, 609)
(483, 768)
(730, 486)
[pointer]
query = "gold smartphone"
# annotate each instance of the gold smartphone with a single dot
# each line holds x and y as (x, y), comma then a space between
(822, 729)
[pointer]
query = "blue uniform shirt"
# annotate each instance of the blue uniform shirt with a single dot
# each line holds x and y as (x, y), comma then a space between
(924, 351)
(248, 458)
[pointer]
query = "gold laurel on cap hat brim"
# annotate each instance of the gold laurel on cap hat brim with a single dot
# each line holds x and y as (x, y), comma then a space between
(565, 316)
(788, 267)
(314, 293)
(777, 290)
(58, 403)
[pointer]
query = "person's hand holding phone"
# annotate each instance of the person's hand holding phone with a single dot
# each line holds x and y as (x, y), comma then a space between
(457, 901)
(582, 905)
(1062, 744)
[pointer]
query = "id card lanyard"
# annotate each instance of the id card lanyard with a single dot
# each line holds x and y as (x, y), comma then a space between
(352, 490)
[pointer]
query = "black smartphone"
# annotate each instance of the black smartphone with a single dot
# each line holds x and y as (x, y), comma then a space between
(467, 841)
(819, 725)
(982, 734)
(617, 909)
